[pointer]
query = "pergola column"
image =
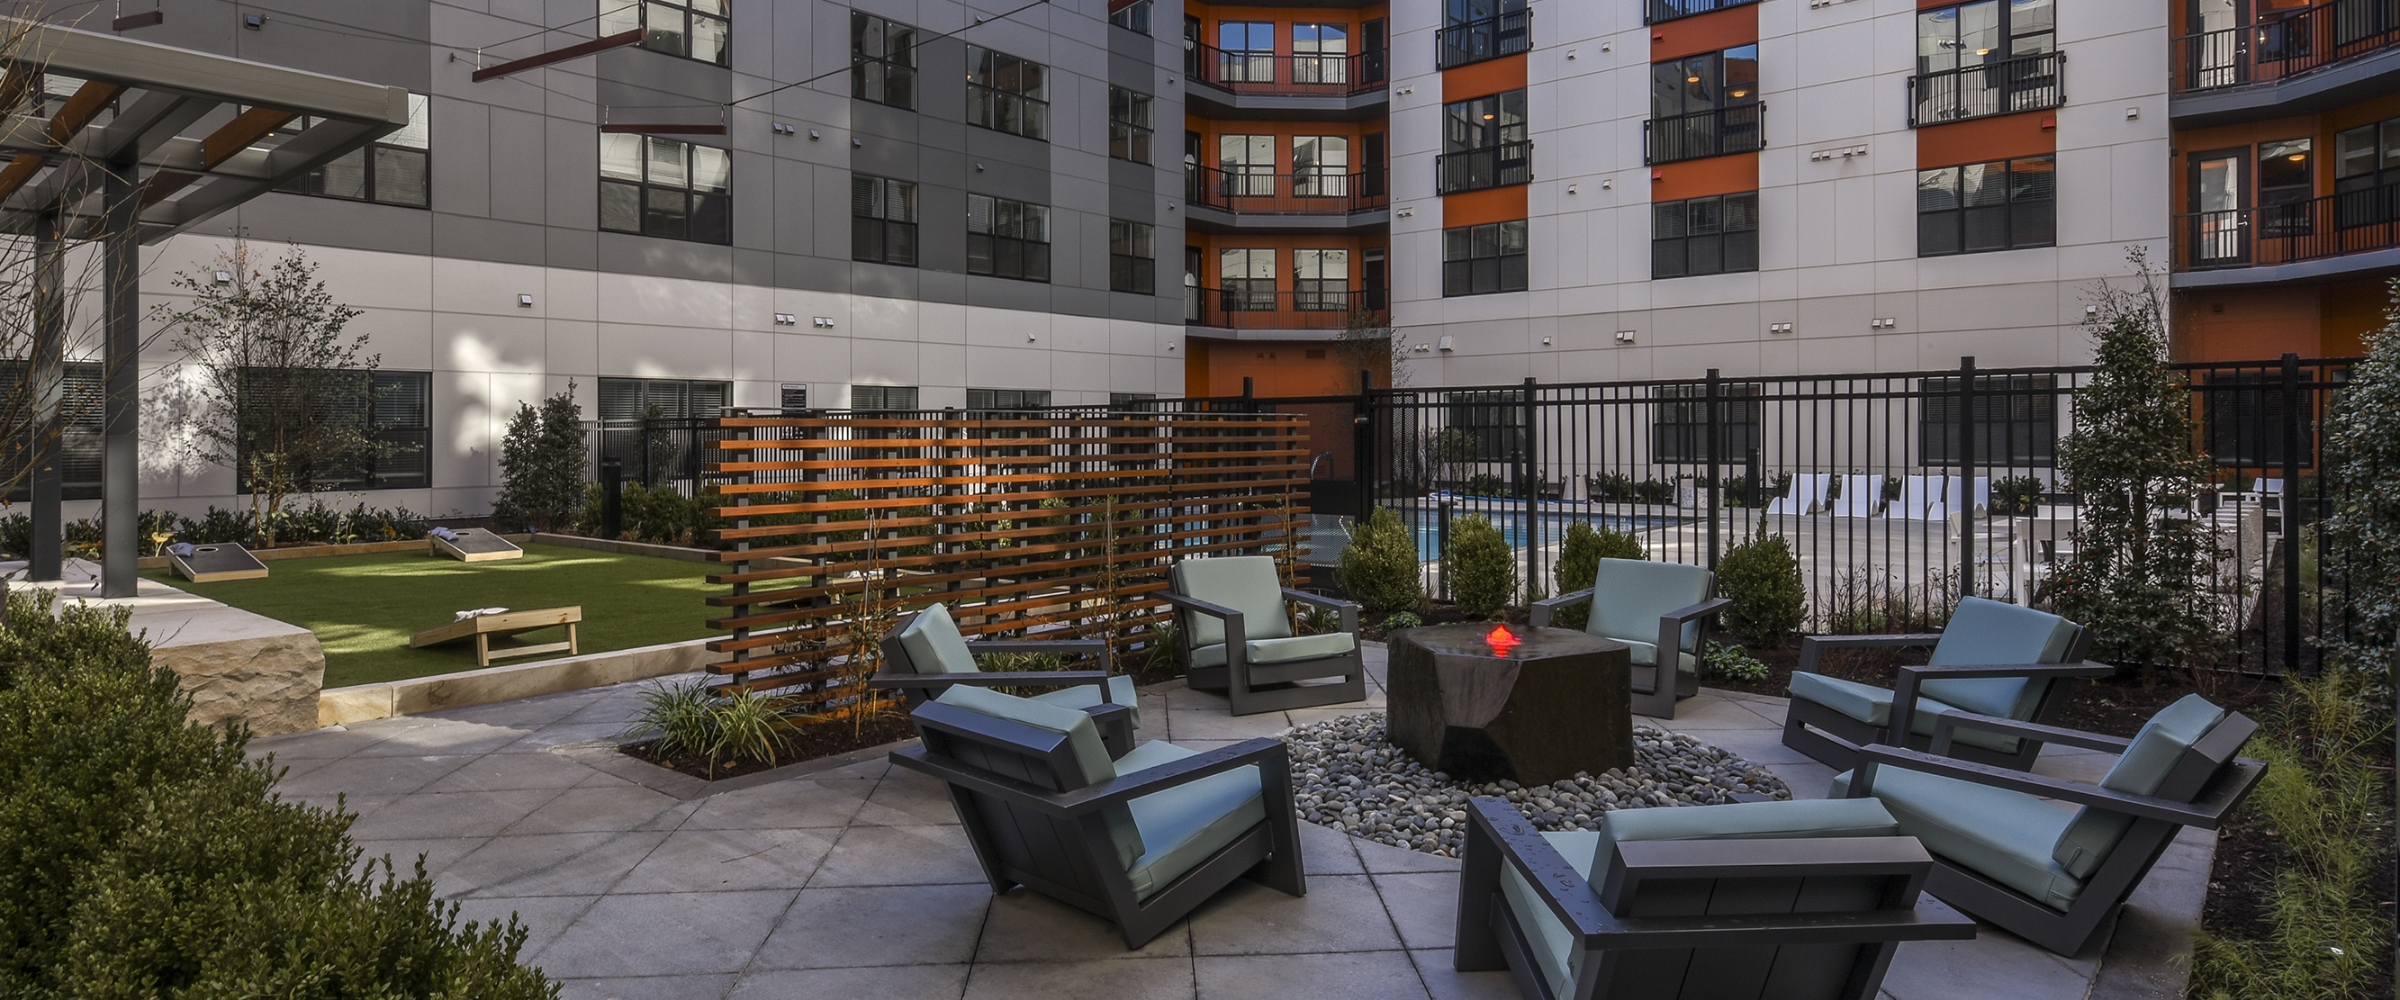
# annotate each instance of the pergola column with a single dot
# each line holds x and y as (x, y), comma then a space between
(46, 390)
(120, 364)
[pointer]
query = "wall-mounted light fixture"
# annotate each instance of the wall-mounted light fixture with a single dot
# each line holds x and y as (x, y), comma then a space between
(1446, 344)
(524, 301)
(821, 322)
(1886, 323)
(1779, 328)
(224, 277)
(1624, 336)
(786, 319)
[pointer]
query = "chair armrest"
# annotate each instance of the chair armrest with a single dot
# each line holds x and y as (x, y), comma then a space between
(1904, 691)
(1930, 920)
(1115, 791)
(1196, 604)
(1349, 610)
(2206, 816)
(1095, 648)
(1814, 645)
(1038, 678)
(1235, 633)
(1543, 610)
(1569, 896)
(1707, 607)
(1947, 724)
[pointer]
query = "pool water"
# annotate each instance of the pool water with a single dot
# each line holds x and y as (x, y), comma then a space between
(1552, 528)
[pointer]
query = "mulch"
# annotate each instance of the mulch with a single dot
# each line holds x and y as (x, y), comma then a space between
(812, 742)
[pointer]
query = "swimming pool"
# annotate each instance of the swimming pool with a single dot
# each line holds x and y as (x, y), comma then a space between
(1550, 528)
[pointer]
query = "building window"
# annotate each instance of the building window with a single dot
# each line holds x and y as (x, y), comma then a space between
(1704, 105)
(1007, 94)
(1321, 280)
(883, 221)
(1713, 235)
(693, 29)
(1980, 207)
(1321, 166)
(883, 61)
(1246, 52)
(2287, 176)
(1008, 239)
(1247, 279)
(1320, 53)
(1668, 10)
(1480, 260)
(1132, 15)
(1679, 428)
(80, 444)
(2366, 174)
(398, 407)
(1494, 423)
(1247, 164)
(883, 397)
(1132, 257)
(1008, 399)
(1476, 30)
(1483, 144)
(2244, 414)
(389, 171)
(662, 187)
(1140, 402)
(2016, 420)
(1129, 125)
(1985, 58)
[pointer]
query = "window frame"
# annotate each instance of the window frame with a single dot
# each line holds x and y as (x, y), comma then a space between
(887, 65)
(620, 15)
(1132, 257)
(1733, 243)
(1679, 422)
(1131, 15)
(2242, 416)
(718, 204)
(1465, 274)
(2371, 196)
(372, 157)
(1254, 290)
(2008, 207)
(885, 398)
(1493, 419)
(376, 468)
(1029, 254)
(881, 193)
(996, 83)
(1324, 292)
(1007, 400)
(1132, 125)
(2027, 432)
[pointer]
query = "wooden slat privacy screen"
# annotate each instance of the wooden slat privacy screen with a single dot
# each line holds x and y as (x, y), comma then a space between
(1060, 522)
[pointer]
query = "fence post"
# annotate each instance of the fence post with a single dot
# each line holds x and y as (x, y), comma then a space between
(1441, 548)
(2293, 414)
(1708, 451)
(612, 497)
(1751, 473)
(1362, 445)
(1966, 476)
(1529, 493)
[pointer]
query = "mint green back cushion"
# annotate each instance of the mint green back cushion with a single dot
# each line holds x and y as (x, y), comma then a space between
(1989, 632)
(1247, 584)
(2140, 771)
(1630, 595)
(934, 645)
(1083, 741)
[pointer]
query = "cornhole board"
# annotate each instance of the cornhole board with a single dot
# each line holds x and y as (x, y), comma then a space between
(214, 563)
(482, 628)
(476, 545)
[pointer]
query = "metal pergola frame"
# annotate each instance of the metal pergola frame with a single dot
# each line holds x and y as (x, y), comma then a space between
(138, 180)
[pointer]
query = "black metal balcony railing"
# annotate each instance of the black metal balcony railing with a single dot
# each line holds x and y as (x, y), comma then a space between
(1255, 304)
(1296, 75)
(1667, 10)
(1504, 165)
(2286, 45)
(2025, 83)
(1490, 38)
(2336, 225)
(1701, 134)
(1308, 192)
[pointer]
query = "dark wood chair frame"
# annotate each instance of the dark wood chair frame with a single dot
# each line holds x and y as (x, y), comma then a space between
(1035, 823)
(1841, 752)
(1651, 698)
(1272, 687)
(1489, 936)
(900, 674)
(2205, 784)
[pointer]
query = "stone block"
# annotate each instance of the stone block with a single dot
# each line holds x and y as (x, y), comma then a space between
(269, 680)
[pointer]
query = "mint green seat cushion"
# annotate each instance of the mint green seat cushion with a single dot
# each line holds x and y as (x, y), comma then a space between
(1645, 654)
(1989, 632)
(2140, 770)
(2003, 835)
(1555, 947)
(1083, 742)
(1289, 649)
(1083, 696)
(1247, 584)
(1873, 706)
(1184, 825)
(1629, 596)
(934, 645)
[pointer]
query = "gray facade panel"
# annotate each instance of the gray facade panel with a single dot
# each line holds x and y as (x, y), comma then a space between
(812, 274)
(942, 286)
(571, 174)
(1129, 193)
(1006, 293)
(462, 158)
(753, 224)
(1008, 180)
(941, 80)
(884, 281)
(827, 200)
(754, 267)
(1081, 301)
(630, 254)
(996, 148)
(885, 157)
(941, 228)
(661, 86)
(575, 248)
(1129, 60)
(333, 222)
(519, 175)
(794, 208)
(467, 237)
(870, 121)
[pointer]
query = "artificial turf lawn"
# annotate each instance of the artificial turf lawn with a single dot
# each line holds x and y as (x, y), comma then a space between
(364, 608)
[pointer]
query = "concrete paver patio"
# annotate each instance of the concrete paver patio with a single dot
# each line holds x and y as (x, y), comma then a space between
(853, 879)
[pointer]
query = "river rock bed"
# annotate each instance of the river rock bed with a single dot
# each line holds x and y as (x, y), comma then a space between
(1345, 775)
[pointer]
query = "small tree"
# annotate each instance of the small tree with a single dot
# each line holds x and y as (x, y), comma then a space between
(1481, 567)
(2361, 534)
(1579, 564)
(1762, 577)
(542, 465)
(286, 394)
(2135, 579)
(1368, 344)
(1380, 569)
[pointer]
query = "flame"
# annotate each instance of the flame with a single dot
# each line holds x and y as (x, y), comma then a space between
(1501, 640)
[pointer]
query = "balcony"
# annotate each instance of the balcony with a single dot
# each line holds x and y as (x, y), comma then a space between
(2302, 62)
(1476, 41)
(1656, 11)
(2025, 83)
(2337, 236)
(1329, 87)
(1505, 165)
(1701, 134)
(1239, 200)
(1255, 304)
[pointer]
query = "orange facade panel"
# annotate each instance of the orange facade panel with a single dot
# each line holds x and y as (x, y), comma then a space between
(1475, 208)
(1492, 76)
(1702, 178)
(1274, 368)
(2004, 137)
(1709, 32)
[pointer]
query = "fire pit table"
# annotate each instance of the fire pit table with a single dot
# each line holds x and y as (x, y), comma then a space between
(1534, 706)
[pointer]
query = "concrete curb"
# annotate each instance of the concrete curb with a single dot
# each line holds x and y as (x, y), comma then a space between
(365, 702)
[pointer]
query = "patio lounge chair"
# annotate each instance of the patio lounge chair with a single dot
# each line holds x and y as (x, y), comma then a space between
(1861, 496)
(1805, 496)
(2058, 876)
(1781, 900)
(1994, 658)
(926, 656)
(1958, 494)
(1140, 840)
(1656, 609)
(1920, 499)
(1237, 638)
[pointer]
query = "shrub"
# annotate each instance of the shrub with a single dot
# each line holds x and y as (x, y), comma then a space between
(1319, 621)
(1733, 663)
(1380, 569)
(1762, 578)
(542, 465)
(1481, 567)
(1401, 620)
(1486, 484)
(2362, 533)
(690, 720)
(1579, 564)
(661, 516)
(145, 856)
(2016, 496)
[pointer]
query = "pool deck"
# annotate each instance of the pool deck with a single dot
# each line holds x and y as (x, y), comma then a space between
(849, 877)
